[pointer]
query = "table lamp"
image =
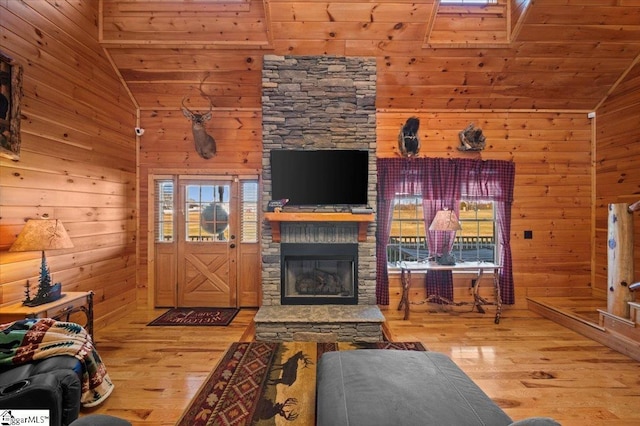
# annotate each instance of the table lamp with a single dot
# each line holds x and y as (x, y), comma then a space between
(447, 221)
(41, 235)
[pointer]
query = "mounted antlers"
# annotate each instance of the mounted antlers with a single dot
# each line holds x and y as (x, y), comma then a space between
(204, 142)
(471, 139)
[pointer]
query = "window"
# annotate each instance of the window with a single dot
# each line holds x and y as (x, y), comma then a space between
(479, 180)
(203, 208)
(249, 218)
(408, 239)
(164, 211)
(476, 240)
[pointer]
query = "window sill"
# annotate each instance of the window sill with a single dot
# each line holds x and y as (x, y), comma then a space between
(397, 270)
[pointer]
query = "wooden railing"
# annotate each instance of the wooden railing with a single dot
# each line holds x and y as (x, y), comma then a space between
(460, 240)
(414, 248)
(409, 241)
(469, 242)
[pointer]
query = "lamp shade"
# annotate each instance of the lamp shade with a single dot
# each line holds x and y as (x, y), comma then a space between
(42, 234)
(445, 220)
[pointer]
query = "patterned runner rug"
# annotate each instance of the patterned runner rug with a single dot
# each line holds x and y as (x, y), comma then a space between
(267, 383)
(196, 316)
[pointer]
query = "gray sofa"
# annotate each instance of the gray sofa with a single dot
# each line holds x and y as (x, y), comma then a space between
(392, 387)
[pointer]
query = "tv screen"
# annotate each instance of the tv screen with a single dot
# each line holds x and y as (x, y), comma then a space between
(322, 177)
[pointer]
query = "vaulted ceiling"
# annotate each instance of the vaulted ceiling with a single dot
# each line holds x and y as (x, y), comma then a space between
(515, 55)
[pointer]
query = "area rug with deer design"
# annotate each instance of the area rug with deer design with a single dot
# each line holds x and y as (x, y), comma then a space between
(267, 383)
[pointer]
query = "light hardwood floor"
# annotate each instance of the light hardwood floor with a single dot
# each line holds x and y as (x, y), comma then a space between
(527, 364)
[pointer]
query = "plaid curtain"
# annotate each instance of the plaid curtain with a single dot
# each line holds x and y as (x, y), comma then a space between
(392, 179)
(441, 181)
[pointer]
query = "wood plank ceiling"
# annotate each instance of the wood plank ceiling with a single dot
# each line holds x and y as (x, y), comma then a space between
(515, 55)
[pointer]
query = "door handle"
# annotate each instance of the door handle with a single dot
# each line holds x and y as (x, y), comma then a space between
(232, 245)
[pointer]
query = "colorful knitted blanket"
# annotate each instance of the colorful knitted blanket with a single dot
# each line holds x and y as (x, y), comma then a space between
(34, 339)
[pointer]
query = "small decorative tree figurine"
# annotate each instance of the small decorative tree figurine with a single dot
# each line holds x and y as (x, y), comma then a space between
(45, 281)
(27, 293)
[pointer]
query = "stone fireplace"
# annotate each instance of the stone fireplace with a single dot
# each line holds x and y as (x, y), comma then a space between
(318, 102)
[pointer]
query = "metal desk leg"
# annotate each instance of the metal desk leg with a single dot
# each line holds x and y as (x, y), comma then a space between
(405, 278)
(496, 283)
(477, 300)
(90, 314)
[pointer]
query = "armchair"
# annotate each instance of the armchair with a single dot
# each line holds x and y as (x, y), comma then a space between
(52, 384)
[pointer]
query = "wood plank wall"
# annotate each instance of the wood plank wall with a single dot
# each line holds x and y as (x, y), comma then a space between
(486, 25)
(562, 56)
(187, 21)
(552, 152)
(167, 148)
(78, 156)
(552, 195)
(617, 168)
(517, 12)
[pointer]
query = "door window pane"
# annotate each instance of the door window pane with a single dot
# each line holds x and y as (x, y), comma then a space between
(207, 212)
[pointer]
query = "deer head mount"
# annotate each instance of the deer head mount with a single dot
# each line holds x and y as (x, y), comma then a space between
(204, 142)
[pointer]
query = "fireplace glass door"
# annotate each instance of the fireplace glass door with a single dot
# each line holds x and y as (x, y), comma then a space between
(314, 274)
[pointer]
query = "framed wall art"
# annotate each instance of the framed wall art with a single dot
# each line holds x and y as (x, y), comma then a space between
(10, 96)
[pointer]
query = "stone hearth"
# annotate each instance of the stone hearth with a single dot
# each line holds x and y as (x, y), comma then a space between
(319, 323)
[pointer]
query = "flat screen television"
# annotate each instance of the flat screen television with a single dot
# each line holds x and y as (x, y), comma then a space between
(320, 177)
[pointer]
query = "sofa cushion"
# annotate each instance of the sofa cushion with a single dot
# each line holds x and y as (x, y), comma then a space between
(100, 420)
(15, 374)
(62, 362)
(385, 387)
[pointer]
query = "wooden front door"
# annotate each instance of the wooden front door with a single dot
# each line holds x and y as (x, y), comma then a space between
(197, 246)
(206, 229)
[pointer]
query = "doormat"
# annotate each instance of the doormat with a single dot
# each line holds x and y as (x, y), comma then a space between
(196, 316)
(267, 383)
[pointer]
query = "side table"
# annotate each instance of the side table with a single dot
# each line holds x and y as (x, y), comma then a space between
(59, 310)
(478, 301)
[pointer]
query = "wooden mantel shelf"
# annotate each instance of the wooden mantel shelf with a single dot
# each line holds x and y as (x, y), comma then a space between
(275, 219)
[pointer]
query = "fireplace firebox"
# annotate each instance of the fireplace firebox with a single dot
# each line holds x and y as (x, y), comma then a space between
(319, 274)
